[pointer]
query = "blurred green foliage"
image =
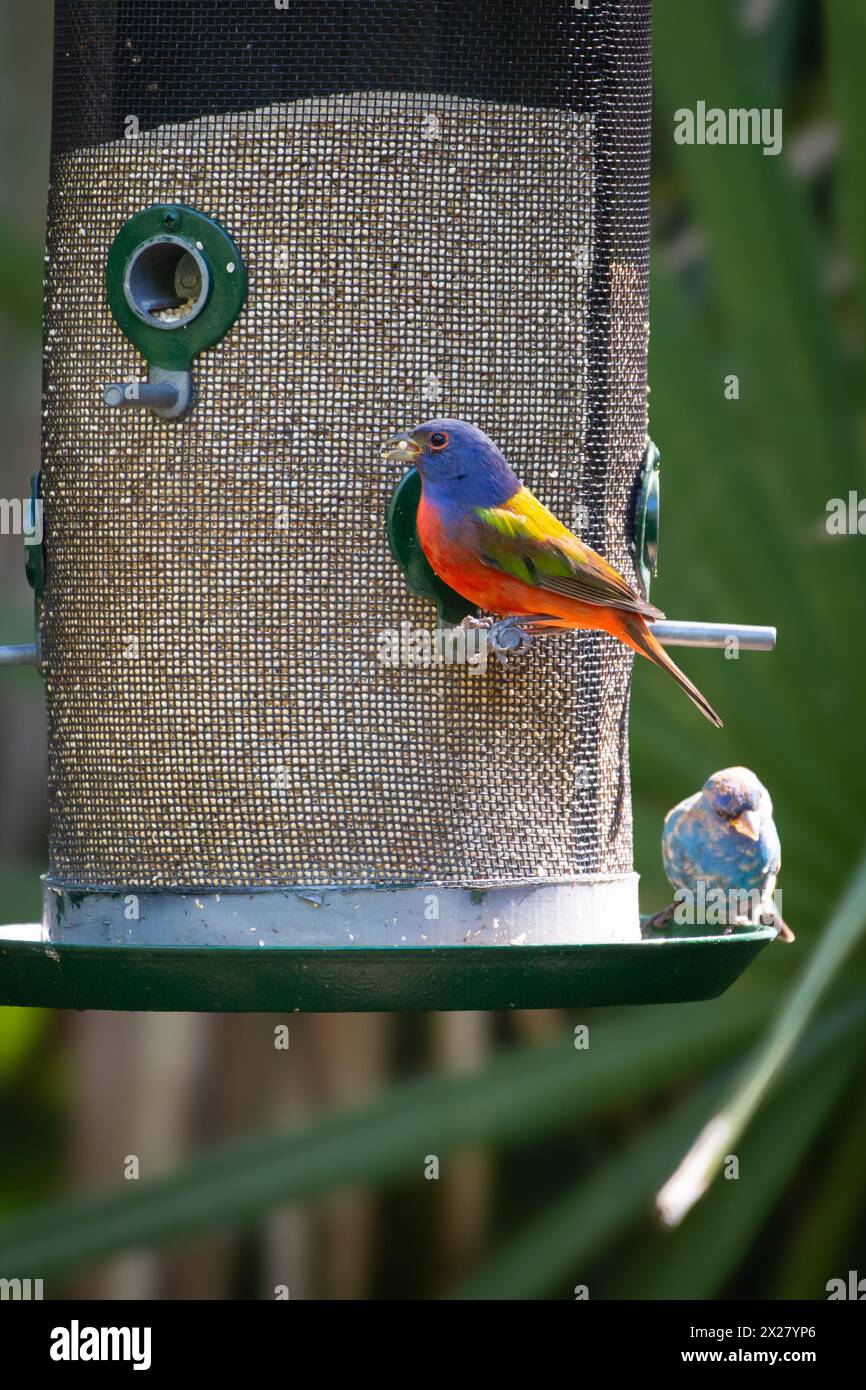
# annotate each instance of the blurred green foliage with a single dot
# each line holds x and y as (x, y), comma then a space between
(760, 271)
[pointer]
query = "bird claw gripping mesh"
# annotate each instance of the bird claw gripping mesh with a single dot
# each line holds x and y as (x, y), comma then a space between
(505, 637)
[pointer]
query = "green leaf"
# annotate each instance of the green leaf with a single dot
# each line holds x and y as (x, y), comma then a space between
(827, 1218)
(561, 1243)
(20, 280)
(695, 1260)
(763, 248)
(20, 1030)
(846, 28)
(519, 1094)
(704, 1160)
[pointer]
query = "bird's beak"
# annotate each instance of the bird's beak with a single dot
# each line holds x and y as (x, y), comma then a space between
(401, 447)
(748, 823)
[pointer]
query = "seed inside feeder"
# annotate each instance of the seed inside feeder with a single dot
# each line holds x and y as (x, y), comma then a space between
(393, 276)
(166, 280)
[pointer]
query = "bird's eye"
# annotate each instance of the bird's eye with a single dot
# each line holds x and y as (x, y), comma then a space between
(438, 440)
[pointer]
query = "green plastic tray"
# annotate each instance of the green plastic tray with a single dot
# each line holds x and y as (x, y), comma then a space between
(657, 970)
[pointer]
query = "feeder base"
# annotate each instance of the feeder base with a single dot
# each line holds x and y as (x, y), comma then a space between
(536, 912)
(656, 970)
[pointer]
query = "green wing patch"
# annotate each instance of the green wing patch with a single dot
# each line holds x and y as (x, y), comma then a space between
(532, 546)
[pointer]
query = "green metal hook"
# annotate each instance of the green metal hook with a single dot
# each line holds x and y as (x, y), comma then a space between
(646, 540)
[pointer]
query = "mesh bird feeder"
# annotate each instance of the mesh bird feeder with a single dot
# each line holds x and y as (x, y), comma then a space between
(276, 234)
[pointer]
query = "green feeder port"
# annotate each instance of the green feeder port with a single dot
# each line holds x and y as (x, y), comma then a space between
(175, 283)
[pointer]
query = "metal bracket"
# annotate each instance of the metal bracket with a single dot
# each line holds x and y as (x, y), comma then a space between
(167, 393)
(646, 520)
(34, 554)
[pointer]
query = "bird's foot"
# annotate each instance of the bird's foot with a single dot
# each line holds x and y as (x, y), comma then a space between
(783, 931)
(662, 919)
(505, 636)
(767, 916)
(508, 638)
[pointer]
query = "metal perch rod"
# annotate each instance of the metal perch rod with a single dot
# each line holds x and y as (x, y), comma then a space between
(750, 639)
(19, 656)
(141, 395)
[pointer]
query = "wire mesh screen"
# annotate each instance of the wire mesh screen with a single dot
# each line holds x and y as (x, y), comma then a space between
(442, 206)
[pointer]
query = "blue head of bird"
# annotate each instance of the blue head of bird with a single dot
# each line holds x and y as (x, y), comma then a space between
(461, 466)
(738, 797)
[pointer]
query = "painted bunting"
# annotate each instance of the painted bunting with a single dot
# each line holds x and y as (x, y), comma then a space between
(724, 838)
(492, 541)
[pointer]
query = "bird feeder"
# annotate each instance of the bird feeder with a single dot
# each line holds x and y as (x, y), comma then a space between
(277, 233)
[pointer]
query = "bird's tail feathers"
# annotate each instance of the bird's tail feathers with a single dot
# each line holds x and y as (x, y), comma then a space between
(640, 639)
